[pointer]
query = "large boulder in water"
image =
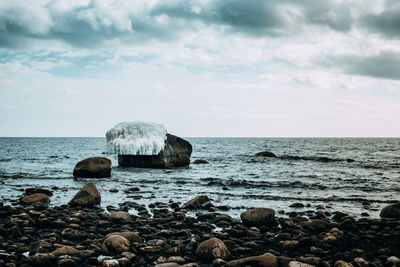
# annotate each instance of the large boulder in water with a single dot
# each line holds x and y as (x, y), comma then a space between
(88, 196)
(96, 167)
(258, 217)
(176, 153)
(391, 211)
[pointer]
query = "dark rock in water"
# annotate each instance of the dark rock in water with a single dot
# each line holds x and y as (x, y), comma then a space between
(267, 154)
(391, 211)
(200, 161)
(296, 205)
(258, 217)
(196, 202)
(37, 197)
(176, 153)
(31, 191)
(88, 196)
(95, 167)
(212, 249)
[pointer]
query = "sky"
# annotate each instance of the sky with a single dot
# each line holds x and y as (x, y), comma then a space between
(256, 68)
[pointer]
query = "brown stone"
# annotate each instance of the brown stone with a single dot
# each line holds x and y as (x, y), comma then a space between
(96, 167)
(299, 264)
(258, 217)
(66, 250)
(342, 264)
(88, 196)
(266, 260)
(131, 236)
(318, 225)
(37, 197)
(197, 201)
(212, 249)
(120, 216)
(391, 211)
(115, 244)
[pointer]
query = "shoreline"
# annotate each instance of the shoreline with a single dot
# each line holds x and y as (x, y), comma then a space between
(170, 234)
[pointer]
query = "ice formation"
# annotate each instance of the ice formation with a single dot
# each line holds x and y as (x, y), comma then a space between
(136, 138)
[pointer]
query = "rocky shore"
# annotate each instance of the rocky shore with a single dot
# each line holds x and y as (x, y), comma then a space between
(195, 233)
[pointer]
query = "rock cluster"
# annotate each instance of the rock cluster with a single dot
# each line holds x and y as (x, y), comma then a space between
(164, 234)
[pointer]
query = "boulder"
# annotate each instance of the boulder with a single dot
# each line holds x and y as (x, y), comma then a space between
(318, 225)
(115, 244)
(391, 211)
(258, 217)
(267, 154)
(196, 202)
(88, 196)
(266, 260)
(212, 249)
(96, 167)
(120, 216)
(131, 236)
(176, 153)
(65, 250)
(37, 197)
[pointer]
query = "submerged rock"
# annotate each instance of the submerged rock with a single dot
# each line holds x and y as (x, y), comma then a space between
(200, 161)
(391, 211)
(176, 153)
(267, 154)
(96, 167)
(34, 190)
(88, 196)
(258, 217)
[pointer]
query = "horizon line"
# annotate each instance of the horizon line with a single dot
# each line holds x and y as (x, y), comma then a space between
(213, 136)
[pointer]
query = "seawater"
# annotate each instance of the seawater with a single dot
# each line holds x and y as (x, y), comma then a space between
(352, 175)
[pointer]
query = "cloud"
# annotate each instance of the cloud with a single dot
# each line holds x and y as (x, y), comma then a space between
(386, 22)
(384, 65)
(257, 17)
(98, 23)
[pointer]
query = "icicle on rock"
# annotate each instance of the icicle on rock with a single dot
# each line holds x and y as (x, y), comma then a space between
(147, 145)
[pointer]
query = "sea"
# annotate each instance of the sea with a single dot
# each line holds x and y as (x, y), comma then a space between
(353, 175)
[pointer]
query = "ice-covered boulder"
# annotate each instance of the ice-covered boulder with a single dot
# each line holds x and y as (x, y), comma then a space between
(147, 145)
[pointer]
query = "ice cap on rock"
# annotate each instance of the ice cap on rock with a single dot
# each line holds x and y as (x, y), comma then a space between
(136, 138)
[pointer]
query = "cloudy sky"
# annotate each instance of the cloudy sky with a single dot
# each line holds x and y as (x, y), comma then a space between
(201, 67)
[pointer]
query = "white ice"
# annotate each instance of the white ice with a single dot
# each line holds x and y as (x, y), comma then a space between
(136, 138)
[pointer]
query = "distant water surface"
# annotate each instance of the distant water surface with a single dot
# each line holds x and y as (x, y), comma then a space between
(354, 175)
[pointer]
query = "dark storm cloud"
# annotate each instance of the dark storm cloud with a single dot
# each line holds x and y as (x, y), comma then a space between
(18, 23)
(256, 17)
(386, 23)
(385, 65)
